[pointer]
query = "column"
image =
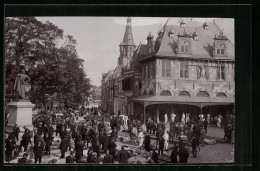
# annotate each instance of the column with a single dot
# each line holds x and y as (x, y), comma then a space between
(157, 114)
(144, 113)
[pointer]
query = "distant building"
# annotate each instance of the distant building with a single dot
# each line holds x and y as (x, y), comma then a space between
(188, 68)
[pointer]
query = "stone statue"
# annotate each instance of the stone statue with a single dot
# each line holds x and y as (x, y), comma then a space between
(202, 72)
(21, 85)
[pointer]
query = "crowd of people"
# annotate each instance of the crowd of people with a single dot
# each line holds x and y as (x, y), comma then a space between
(87, 129)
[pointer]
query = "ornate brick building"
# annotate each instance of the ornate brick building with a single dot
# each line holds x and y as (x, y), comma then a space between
(188, 68)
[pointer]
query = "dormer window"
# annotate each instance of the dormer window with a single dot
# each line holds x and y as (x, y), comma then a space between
(184, 46)
(220, 49)
(183, 24)
(195, 36)
(171, 34)
(205, 26)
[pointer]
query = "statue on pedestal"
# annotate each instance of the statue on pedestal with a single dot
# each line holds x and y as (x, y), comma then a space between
(21, 85)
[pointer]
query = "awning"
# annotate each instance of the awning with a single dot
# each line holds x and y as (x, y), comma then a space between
(195, 101)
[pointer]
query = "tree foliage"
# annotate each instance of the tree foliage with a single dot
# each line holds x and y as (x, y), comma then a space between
(50, 58)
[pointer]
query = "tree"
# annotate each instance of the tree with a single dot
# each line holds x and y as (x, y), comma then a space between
(53, 64)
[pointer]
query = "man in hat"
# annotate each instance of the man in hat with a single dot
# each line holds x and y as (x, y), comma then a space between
(84, 134)
(16, 131)
(90, 155)
(194, 143)
(24, 159)
(174, 154)
(229, 133)
(159, 134)
(79, 151)
(48, 141)
(26, 139)
(123, 155)
(70, 158)
(106, 141)
(63, 146)
(112, 147)
(183, 155)
(108, 158)
(96, 159)
(38, 151)
(147, 142)
(161, 146)
(9, 148)
(155, 156)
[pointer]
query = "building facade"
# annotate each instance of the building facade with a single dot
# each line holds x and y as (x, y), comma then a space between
(188, 68)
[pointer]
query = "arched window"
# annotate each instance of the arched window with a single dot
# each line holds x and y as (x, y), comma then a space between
(184, 93)
(144, 93)
(165, 93)
(203, 94)
(220, 49)
(221, 95)
(184, 46)
(151, 92)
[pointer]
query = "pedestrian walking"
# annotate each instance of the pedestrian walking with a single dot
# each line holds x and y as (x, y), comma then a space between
(161, 146)
(9, 148)
(48, 141)
(63, 147)
(79, 151)
(16, 131)
(38, 151)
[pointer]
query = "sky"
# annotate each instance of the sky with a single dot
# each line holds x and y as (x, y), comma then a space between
(98, 38)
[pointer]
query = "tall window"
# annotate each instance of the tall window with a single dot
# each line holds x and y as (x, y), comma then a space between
(168, 69)
(146, 71)
(184, 46)
(154, 70)
(143, 72)
(163, 68)
(149, 68)
(184, 69)
(220, 49)
(221, 72)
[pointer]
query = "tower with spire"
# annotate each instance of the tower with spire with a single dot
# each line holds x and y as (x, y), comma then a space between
(127, 46)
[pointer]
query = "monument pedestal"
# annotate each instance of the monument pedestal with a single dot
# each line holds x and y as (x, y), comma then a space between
(20, 113)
